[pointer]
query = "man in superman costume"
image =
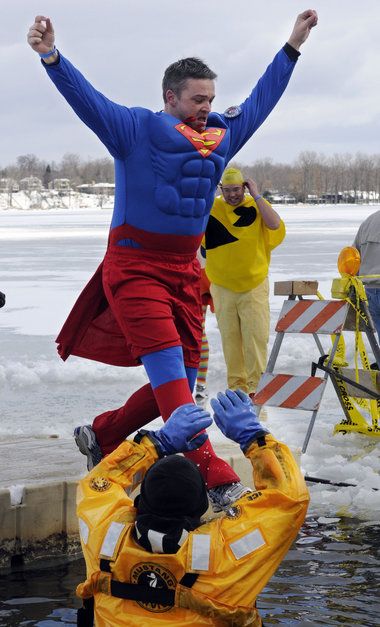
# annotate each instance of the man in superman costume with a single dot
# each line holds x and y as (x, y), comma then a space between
(143, 306)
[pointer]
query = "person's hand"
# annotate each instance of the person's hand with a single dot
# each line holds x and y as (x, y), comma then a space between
(41, 35)
(181, 431)
(2, 299)
(302, 27)
(252, 187)
(235, 416)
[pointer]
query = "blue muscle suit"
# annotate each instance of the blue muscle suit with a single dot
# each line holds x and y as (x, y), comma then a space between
(143, 304)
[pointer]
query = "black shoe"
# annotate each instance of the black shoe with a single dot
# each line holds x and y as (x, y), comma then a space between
(223, 496)
(86, 442)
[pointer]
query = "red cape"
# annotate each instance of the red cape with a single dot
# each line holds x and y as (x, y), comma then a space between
(91, 330)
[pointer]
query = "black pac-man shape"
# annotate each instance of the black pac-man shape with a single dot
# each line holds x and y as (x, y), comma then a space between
(247, 216)
(217, 234)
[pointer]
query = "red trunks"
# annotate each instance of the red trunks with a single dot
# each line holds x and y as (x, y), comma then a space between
(138, 302)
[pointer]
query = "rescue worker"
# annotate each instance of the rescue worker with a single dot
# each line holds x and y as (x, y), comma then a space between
(153, 561)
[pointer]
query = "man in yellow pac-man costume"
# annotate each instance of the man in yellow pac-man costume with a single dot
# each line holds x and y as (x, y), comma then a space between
(242, 231)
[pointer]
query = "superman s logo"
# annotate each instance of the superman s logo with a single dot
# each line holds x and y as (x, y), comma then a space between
(206, 142)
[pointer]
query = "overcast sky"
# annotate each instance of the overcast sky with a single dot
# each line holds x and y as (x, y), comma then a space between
(331, 105)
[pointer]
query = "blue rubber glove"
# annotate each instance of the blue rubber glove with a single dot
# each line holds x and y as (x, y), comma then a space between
(235, 416)
(179, 432)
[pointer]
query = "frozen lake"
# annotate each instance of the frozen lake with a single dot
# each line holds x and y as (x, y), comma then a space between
(48, 256)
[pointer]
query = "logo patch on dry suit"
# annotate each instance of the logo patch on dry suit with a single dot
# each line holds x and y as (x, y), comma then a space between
(206, 142)
(233, 512)
(100, 484)
(155, 576)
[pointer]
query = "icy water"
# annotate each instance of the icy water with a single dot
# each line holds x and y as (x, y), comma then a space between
(331, 576)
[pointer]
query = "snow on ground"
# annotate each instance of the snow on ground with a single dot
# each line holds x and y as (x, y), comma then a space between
(48, 256)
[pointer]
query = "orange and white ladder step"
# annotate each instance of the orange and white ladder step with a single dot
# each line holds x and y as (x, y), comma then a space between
(290, 391)
(312, 316)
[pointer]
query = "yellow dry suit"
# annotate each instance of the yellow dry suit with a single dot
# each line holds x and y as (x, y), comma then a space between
(221, 566)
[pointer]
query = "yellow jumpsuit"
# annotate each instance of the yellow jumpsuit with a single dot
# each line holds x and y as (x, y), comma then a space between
(228, 560)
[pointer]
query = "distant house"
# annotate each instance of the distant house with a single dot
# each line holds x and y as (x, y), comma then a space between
(105, 189)
(312, 199)
(278, 198)
(31, 184)
(8, 185)
(60, 185)
(371, 196)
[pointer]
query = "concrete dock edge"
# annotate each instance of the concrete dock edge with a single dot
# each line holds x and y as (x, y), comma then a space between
(44, 523)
